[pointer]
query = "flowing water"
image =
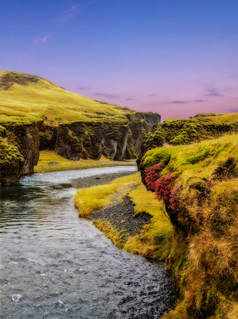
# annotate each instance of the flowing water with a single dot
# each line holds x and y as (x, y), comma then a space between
(55, 265)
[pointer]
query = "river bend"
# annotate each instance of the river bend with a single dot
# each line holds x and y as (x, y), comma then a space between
(55, 265)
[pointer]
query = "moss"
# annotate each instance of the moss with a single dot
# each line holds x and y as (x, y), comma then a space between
(201, 127)
(2, 131)
(9, 154)
(204, 251)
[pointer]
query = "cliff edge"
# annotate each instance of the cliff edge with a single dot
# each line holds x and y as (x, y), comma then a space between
(198, 186)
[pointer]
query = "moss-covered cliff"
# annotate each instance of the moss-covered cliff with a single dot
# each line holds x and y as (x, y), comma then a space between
(116, 140)
(198, 184)
(198, 128)
(11, 160)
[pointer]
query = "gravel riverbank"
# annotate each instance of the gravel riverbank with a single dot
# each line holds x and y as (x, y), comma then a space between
(86, 182)
(120, 215)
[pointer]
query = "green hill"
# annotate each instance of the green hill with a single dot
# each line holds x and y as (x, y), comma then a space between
(29, 97)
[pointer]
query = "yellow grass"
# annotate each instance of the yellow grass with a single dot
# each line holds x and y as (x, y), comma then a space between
(154, 240)
(43, 99)
(49, 161)
(89, 200)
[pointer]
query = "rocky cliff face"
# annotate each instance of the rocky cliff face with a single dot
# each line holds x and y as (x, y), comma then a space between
(116, 140)
(19, 151)
(11, 160)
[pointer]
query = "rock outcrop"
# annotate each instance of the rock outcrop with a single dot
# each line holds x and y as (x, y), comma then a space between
(19, 151)
(117, 140)
(11, 160)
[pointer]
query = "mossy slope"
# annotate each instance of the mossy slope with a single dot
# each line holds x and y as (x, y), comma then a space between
(198, 128)
(199, 186)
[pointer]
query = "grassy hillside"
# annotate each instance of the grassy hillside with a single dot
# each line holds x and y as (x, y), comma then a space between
(198, 128)
(28, 97)
(199, 186)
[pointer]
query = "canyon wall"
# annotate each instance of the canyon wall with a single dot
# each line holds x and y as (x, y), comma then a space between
(117, 140)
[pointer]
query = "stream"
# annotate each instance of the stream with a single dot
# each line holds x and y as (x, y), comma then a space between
(55, 265)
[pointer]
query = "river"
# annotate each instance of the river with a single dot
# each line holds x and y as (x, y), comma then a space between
(55, 265)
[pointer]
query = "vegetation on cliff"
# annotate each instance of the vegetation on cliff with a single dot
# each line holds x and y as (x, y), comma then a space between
(11, 160)
(198, 128)
(198, 184)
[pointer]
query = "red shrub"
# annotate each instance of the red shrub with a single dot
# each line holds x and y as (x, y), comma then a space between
(163, 187)
(152, 174)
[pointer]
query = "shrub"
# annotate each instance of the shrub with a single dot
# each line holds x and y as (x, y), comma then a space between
(163, 187)
(152, 174)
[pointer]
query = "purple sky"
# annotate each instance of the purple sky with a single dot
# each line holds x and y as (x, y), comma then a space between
(174, 57)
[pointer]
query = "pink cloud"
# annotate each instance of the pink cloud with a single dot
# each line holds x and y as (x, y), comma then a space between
(43, 39)
(75, 7)
(68, 15)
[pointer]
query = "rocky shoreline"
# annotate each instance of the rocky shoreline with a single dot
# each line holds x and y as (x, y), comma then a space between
(121, 215)
(90, 181)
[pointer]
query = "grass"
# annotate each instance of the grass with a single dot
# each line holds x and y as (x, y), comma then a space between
(25, 96)
(50, 161)
(186, 131)
(89, 200)
(9, 154)
(154, 240)
(204, 251)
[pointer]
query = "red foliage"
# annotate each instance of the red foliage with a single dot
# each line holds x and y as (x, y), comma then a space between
(163, 186)
(152, 174)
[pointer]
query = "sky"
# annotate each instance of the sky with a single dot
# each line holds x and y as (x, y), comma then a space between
(174, 57)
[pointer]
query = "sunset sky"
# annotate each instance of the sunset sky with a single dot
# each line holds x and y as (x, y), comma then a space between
(174, 57)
